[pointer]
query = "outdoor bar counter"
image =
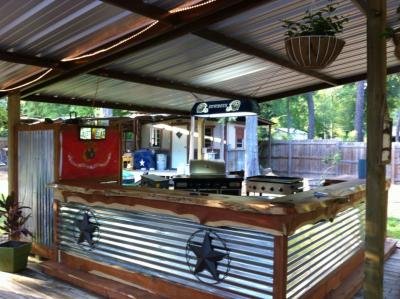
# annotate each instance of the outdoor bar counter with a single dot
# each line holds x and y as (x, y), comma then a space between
(189, 245)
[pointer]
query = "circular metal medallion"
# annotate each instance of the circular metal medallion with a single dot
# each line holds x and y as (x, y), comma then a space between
(207, 256)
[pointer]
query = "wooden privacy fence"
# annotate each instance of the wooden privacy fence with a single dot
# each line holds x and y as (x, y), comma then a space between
(305, 158)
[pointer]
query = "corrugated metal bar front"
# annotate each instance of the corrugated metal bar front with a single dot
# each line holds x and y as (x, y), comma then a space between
(155, 244)
(35, 172)
(316, 250)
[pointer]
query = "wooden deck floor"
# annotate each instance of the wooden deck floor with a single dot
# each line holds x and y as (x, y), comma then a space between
(391, 278)
(31, 284)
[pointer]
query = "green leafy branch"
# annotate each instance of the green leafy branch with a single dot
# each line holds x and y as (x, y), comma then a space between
(321, 22)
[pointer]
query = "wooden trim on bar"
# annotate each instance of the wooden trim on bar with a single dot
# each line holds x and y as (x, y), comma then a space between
(336, 277)
(281, 217)
(43, 251)
(56, 213)
(151, 283)
(280, 266)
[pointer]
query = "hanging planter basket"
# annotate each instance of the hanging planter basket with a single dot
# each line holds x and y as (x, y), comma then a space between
(313, 52)
(396, 41)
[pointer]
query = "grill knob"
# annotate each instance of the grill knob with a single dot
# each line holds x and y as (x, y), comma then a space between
(280, 190)
(263, 188)
(254, 187)
(272, 188)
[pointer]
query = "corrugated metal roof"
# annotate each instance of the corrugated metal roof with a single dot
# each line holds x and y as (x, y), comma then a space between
(97, 88)
(54, 29)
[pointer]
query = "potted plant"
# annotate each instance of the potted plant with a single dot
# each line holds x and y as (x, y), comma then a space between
(311, 43)
(13, 253)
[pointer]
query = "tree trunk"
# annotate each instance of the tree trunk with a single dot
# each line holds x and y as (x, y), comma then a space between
(311, 115)
(359, 115)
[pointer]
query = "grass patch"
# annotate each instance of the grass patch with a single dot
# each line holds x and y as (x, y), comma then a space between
(393, 228)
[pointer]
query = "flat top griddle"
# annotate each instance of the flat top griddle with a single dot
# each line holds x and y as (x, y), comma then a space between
(274, 179)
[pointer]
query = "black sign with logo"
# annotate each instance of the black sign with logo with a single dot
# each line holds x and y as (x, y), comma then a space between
(225, 108)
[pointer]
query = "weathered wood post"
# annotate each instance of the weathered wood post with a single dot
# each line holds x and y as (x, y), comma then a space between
(200, 137)
(252, 166)
(191, 140)
(13, 108)
(377, 108)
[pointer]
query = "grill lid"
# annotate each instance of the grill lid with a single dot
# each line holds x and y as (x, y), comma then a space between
(207, 168)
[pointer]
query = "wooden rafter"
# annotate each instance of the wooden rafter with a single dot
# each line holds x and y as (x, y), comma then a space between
(361, 5)
(154, 12)
(176, 85)
(342, 81)
(28, 60)
(102, 104)
(131, 77)
(161, 33)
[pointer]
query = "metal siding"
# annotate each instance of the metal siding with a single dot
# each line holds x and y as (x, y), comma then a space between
(35, 172)
(122, 92)
(155, 244)
(57, 28)
(316, 250)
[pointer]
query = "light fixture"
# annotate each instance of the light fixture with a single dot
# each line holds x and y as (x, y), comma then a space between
(225, 108)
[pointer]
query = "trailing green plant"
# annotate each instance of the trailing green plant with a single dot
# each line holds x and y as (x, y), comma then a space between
(14, 220)
(321, 22)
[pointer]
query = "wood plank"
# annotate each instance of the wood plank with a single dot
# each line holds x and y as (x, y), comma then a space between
(280, 266)
(377, 110)
(96, 284)
(154, 284)
(14, 110)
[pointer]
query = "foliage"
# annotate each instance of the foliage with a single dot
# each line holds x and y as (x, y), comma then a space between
(14, 220)
(321, 22)
(42, 110)
(393, 228)
(330, 161)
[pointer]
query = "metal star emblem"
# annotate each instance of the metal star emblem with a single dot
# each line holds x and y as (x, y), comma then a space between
(207, 258)
(141, 162)
(86, 229)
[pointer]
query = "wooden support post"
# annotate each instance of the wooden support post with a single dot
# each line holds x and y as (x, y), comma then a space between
(270, 146)
(222, 144)
(191, 140)
(13, 105)
(252, 166)
(280, 266)
(376, 192)
(200, 137)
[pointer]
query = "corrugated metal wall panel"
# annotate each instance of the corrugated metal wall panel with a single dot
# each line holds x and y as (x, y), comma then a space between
(155, 244)
(35, 172)
(316, 250)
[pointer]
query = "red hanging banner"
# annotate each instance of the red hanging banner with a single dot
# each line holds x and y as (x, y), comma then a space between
(89, 159)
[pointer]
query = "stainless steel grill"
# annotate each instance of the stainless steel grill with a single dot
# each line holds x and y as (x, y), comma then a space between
(273, 185)
(155, 244)
(35, 172)
(316, 250)
(209, 177)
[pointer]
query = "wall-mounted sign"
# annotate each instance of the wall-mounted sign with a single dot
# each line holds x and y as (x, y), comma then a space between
(225, 108)
(386, 152)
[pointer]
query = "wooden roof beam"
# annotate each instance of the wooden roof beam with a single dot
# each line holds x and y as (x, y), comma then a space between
(361, 5)
(154, 12)
(301, 90)
(194, 20)
(170, 84)
(27, 59)
(134, 78)
(101, 104)
(241, 47)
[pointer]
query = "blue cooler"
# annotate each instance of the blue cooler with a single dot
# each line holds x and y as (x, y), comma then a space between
(144, 159)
